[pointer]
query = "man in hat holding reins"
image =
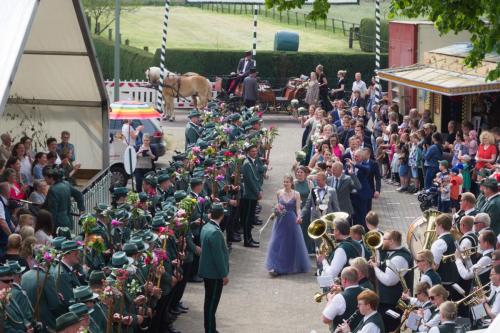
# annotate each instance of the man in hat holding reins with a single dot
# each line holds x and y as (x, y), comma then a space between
(242, 71)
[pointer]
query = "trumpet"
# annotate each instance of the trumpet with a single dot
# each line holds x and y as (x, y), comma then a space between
(467, 253)
(474, 297)
(318, 297)
(373, 240)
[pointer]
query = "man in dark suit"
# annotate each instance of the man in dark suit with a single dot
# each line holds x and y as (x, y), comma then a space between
(357, 100)
(252, 192)
(375, 177)
(361, 200)
(344, 186)
(214, 265)
(242, 71)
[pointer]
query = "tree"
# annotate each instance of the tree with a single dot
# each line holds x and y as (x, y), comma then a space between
(102, 12)
(479, 17)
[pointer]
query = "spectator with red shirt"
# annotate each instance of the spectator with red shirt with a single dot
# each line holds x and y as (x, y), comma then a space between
(487, 152)
(456, 181)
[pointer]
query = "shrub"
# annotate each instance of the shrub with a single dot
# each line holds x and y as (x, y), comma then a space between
(367, 35)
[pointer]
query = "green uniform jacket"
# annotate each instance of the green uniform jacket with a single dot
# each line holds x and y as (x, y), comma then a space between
(65, 280)
(19, 312)
(98, 318)
(251, 181)
(58, 202)
(50, 307)
(492, 208)
(192, 134)
(214, 260)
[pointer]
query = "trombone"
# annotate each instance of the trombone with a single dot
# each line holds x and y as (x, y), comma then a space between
(467, 253)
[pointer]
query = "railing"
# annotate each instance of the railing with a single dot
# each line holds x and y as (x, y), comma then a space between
(95, 192)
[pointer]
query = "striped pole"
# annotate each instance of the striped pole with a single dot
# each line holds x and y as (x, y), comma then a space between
(378, 96)
(159, 99)
(254, 47)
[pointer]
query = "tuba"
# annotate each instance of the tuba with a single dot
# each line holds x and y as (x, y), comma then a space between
(318, 229)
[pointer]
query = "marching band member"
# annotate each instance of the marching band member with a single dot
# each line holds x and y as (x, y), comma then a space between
(469, 238)
(438, 295)
(425, 260)
(342, 305)
(346, 249)
(372, 221)
(361, 266)
(390, 288)
(448, 316)
(421, 300)
(467, 208)
(482, 221)
(445, 245)
(372, 320)
(357, 232)
(487, 241)
(492, 303)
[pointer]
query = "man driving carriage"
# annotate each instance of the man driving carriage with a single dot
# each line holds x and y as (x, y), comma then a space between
(242, 71)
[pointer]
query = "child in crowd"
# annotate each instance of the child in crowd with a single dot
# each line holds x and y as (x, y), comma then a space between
(393, 158)
(472, 143)
(466, 172)
(415, 159)
(380, 156)
(404, 169)
(444, 202)
(459, 148)
(456, 182)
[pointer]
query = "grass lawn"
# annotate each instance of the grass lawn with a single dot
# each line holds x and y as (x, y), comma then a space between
(202, 29)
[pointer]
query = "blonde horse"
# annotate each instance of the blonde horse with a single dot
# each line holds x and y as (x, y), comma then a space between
(181, 86)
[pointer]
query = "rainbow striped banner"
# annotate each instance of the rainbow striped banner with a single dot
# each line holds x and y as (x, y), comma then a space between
(132, 110)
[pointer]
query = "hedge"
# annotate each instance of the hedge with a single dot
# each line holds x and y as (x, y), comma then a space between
(367, 35)
(276, 67)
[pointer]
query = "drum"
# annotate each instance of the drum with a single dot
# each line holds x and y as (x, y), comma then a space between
(416, 235)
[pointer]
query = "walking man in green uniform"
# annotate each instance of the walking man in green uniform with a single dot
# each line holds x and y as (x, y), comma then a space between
(214, 265)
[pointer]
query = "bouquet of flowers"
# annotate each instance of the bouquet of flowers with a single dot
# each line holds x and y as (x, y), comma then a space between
(87, 222)
(95, 243)
(132, 198)
(279, 210)
(181, 224)
(4, 297)
(134, 288)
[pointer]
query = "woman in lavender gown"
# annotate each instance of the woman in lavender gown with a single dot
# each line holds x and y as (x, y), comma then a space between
(287, 251)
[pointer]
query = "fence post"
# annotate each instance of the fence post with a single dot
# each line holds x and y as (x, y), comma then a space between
(287, 17)
(274, 13)
(324, 23)
(296, 18)
(127, 42)
(343, 28)
(98, 27)
(305, 20)
(110, 34)
(333, 25)
(146, 48)
(351, 32)
(315, 24)
(280, 15)
(265, 11)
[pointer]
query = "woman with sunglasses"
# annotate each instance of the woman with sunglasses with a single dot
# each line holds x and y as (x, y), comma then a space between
(437, 295)
(425, 261)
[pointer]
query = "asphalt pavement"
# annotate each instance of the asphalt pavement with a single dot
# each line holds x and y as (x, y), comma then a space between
(253, 301)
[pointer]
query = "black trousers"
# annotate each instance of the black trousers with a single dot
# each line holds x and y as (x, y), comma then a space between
(247, 216)
(160, 318)
(178, 292)
(213, 291)
(390, 323)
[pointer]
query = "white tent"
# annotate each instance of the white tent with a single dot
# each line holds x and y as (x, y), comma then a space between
(50, 79)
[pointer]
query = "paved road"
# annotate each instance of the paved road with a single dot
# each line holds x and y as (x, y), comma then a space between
(254, 302)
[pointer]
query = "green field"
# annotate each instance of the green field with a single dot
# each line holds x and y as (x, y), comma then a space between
(193, 28)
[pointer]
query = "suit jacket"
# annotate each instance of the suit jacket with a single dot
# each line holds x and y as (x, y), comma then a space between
(50, 307)
(251, 181)
(214, 260)
(363, 174)
(311, 208)
(65, 280)
(492, 208)
(241, 64)
(19, 311)
(58, 203)
(192, 134)
(374, 176)
(360, 102)
(345, 186)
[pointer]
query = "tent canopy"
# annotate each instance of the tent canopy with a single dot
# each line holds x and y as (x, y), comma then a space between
(48, 61)
(47, 54)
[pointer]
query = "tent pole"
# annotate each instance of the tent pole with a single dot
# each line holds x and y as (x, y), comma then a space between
(117, 51)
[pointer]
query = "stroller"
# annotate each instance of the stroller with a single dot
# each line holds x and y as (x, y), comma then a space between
(428, 198)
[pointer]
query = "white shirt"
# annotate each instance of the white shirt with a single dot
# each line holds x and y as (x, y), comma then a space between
(433, 321)
(2, 211)
(438, 248)
(338, 262)
(361, 86)
(370, 327)
(465, 243)
(426, 279)
(468, 273)
(26, 175)
(336, 307)
(42, 237)
(495, 325)
(390, 276)
(435, 329)
(495, 307)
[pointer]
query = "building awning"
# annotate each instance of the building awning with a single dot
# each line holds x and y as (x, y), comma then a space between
(441, 81)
